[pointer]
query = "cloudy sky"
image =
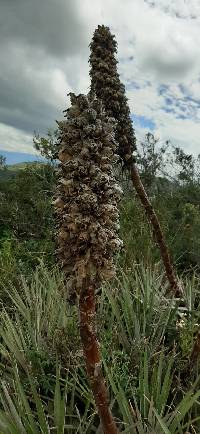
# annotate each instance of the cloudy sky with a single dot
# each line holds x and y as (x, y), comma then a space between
(44, 52)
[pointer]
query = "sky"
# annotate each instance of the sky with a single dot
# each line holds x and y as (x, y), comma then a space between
(44, 55)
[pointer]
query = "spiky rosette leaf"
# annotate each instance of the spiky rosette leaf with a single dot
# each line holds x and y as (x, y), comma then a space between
(106, 84)
(87, 194)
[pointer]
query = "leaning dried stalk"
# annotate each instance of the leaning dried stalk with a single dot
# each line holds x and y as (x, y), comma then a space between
(87, 212)
(106, 84)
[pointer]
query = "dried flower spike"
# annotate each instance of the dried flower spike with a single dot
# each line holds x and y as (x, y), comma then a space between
(87, 213)
(87, 194)
(106, 84)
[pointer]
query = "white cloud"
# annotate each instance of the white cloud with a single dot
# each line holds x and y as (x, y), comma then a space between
(15, 140)
(179, 8)
(158, 45)
(184, 132)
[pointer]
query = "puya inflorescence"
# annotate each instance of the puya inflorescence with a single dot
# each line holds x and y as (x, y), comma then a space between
(87, 194)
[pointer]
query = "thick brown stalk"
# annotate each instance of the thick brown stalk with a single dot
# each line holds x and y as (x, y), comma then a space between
(195, 351)
(193, 359)
(158, 234)
(92, 355)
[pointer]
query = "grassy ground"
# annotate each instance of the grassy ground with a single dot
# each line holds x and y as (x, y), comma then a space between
(147, 339)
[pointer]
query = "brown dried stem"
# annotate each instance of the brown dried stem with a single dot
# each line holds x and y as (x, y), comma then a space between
(158, 234)
(195, 353)
(93, 358)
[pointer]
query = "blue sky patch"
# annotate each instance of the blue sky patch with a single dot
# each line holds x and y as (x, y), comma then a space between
(19, 157)
(132, 85)
(143, 122)
(169, 100)
(163, 88)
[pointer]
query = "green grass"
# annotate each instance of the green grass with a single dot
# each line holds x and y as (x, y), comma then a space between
(44, 388)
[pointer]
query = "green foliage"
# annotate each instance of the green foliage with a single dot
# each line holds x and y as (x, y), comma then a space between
(180, 213)
(47, 146)
(2, 162)
(147, 337)
(186, 164)
(31, 413)
(151, 160)
(43, 387)
(135, 233)
(176, 200)
(26, 221)
(44, 324)
(25, 202)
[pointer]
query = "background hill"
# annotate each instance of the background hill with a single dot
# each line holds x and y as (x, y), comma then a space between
(12, 169)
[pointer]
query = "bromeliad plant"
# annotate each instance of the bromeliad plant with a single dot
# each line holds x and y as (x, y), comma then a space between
(106, 84)
(86, 204)
(138, 327)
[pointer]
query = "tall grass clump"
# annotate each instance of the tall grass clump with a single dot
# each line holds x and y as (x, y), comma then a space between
(44, 387)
